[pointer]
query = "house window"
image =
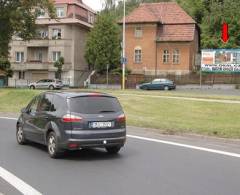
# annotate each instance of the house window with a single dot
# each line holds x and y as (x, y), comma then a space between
(39, 56)
(21, 75)
(138, 31)
(57, 33)
(56, 55)
(60, 12)
(91, 18)
(19, 56)
(138, 55)
(41, 13)
(43, 34)
(166, 56)
(176, 56)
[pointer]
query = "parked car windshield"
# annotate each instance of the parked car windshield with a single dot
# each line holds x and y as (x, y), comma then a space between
(94, 105)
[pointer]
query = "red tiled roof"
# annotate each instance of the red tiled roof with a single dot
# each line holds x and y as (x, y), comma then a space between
(176, 32)
(164, 12)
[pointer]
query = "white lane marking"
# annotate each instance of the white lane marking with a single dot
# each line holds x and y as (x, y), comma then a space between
(186, 146)
(8, 118)
(186, 98)
(20, 185)
(174, 144)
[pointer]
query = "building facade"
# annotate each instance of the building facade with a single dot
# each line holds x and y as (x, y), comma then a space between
(161, 38)
(64, 36)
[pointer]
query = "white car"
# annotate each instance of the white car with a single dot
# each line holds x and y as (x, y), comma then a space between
(46, 84)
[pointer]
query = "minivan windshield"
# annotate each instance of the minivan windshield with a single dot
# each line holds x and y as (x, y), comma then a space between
(94, 105)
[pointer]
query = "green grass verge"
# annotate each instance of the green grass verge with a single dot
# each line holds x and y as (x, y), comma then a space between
(13, 100)
(166, 115)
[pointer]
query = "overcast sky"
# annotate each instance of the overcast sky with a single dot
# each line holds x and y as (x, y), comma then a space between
(94, 4)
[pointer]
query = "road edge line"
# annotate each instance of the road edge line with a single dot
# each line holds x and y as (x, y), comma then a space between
(17, 183)
(186, 146)
(8, 118)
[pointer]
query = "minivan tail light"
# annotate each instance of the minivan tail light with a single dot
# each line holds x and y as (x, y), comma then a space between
(95, 95)
(68, 118)
(121, 118)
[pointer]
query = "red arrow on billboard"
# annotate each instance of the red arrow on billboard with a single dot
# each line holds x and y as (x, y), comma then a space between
(225, 35)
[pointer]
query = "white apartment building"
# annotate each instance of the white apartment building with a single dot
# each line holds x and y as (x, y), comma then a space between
(64, 36)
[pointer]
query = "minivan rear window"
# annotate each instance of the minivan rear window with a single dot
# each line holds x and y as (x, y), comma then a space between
(94, 105)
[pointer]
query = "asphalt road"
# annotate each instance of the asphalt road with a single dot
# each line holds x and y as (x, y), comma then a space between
(142, 167)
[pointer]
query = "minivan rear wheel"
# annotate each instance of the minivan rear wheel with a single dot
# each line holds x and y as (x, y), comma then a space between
(52, 145)
(113, 150)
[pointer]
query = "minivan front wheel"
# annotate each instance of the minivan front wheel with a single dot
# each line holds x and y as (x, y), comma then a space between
(52, 145)
(20, 136)
(113, 150)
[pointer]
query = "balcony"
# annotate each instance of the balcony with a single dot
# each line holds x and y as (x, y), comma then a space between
(37, 43)
(44, 43)
(30, 66)
(31, 43)
(36, 65)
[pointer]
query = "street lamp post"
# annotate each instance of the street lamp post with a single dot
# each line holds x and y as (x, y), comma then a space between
(123, 46)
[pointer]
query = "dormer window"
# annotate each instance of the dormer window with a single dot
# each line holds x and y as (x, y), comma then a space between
(60, 12)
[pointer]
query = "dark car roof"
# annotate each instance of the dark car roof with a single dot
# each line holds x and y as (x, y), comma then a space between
(77, 94)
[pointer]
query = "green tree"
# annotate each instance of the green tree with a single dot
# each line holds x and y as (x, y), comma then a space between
(218, 13)
(103, 44)
(5, 66)
(195, 8)
(18, 17)
(109, 4)
(59, 65)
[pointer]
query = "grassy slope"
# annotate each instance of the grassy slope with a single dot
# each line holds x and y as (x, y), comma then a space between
(12, 100)
(167, 115)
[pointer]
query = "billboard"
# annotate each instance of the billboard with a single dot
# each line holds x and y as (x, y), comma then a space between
(220, 60)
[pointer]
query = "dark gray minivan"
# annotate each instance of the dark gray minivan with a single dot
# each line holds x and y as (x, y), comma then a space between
(71, 121)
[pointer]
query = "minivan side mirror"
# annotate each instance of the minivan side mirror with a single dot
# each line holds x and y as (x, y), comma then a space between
(24, 110)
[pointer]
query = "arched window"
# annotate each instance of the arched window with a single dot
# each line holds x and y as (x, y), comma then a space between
(176, 56)
(138, 55)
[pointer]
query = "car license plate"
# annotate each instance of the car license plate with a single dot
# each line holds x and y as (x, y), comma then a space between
(101, 124)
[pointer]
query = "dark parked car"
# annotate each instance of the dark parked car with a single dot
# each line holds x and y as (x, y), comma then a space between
(47, 84)
(162, 84)
(71, 121)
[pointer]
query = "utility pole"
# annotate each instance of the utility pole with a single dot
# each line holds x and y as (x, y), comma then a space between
(123, 46)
